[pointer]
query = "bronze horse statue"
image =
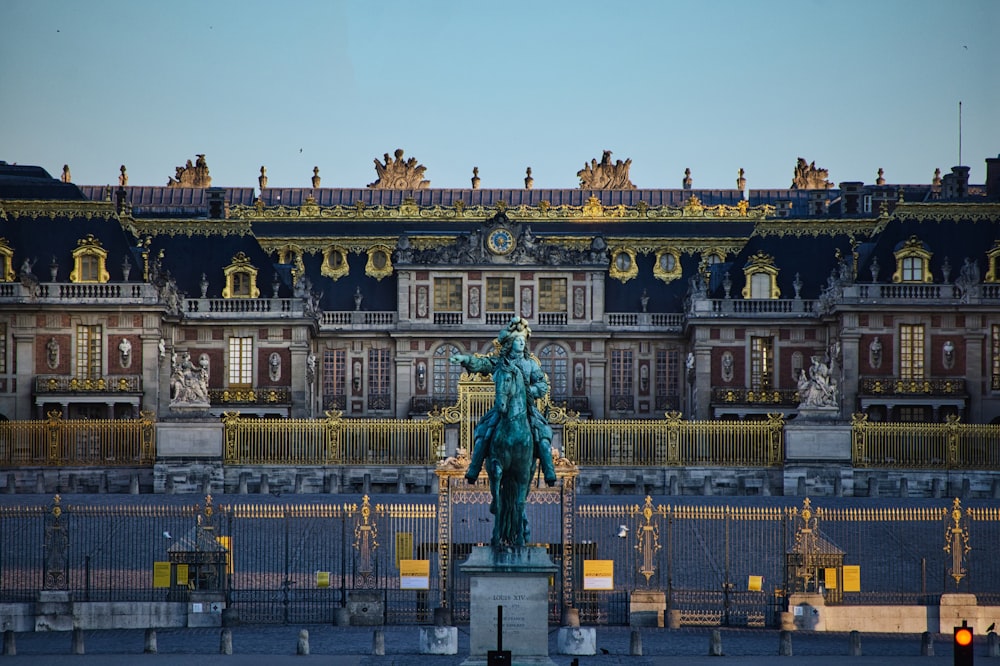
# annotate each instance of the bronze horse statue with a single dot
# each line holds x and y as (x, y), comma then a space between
(513, 436)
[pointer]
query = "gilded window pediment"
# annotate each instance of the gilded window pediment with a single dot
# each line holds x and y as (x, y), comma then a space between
(761, 277)
(623, 266)
(292, 254)
(89, 261)
(241, 278)
(667, 266)
(993, 263)
(334, 262)
(6, 262)
(912, 262)
(379, 262)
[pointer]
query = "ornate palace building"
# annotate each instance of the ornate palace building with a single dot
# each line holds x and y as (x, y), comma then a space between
(873, 298)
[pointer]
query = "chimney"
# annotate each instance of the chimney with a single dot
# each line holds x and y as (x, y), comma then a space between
(993, 177)
(818, 203)
(783, 208)
(850, 197)
(955, 185)
(217, 208)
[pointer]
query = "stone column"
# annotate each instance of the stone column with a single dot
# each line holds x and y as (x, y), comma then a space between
(300, 407)
(24, 352)
(404, 380)
(403, 280)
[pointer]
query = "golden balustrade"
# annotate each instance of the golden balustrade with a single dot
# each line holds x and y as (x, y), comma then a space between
(78, 442)
(949, 445)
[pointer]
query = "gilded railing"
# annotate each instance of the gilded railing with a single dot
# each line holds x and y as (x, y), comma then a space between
(744, 396)
(250, 396)
(78, 443)
(949, 445)
(899, 386)
(671, 441)
(69, 384)
(333, 440)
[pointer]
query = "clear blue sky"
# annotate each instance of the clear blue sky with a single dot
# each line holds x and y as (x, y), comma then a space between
(713, 85)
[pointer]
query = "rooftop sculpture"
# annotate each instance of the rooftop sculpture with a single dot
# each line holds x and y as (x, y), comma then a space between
(395, 174)
(604, 175)
(808, 177)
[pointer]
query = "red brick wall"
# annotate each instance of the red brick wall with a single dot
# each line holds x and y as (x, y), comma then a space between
(65, 355)
(114, 356)
(264, 370)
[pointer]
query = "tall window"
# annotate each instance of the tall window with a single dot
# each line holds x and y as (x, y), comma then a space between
(621, 379)
(500, 295)
(996, 358)
(379, 379)
(911, 351)
(668, 385)
(3, 348)
(241, 284)
(552, 295)
(913, 269)
(760, 285)
(447, 294)
(761, 363)
(446, 374)
(556, 365)
(335, 379)
(88, 352)
(241, 361)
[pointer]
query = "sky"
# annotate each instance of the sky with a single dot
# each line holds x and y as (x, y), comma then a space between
(713, 86)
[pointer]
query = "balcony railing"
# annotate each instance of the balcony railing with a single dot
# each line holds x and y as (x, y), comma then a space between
(661, 320)
(552, 318)
(448, 318)
(358, 319)
(499, 318)
(57, 292)
(260, 307)
(68, 384)
(745, 396)
(250, 396)
(421, 404)
(897, 386)
(763, 306)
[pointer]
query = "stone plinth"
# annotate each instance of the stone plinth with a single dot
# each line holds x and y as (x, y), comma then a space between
(645, 608)
(577, 641)
(519, 582)
(438, 640)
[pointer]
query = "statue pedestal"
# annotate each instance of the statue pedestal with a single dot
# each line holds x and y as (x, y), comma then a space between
(518, 581)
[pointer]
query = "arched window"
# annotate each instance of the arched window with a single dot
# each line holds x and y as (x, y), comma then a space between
(6, 262)
(446, 375)
(89, 260)
(555, 364)
(241, 278)
(761, 277)
(912, 262)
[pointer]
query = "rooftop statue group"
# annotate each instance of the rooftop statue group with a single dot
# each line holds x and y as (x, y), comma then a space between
(513, 438)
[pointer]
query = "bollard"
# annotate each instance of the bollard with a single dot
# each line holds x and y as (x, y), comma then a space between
(855, 645)
(78, 641)
(226, 641)
(265, 486)
(785, 644)
(673, 619)
(927, 644)
(992, 645)
(133, 485)
(635, 644)
(10, 644)
(570, 617)
(302, 646)
(378, 643)
(715, 643)
(149, 646)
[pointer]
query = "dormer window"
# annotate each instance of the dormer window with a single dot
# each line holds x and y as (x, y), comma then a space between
(667, 266)
(241, 278)
(912, 262)
(89, 262)
(6, 262)
(993, 263)
(761, 277)
(334, 262)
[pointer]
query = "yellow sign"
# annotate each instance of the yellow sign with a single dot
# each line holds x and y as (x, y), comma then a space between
(414, 574)
(182, 574)
(322, 579)
(755, 583)
(161, 574)
(598, 574)
(831, 578)
(404, 547)
(852, 578)
(227, 543)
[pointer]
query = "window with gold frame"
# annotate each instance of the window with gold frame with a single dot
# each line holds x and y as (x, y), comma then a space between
(241, 278)
(761, 277)
(6, 262)
(552, 294)
(447, 294)
(667, 265)
(911, 351)
(993, 263)
(499, 294)
(912, 262)
(334, 262)
(89, 262)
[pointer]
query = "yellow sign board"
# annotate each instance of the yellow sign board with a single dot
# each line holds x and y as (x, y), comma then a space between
(404, 547)
(161, 574)
(598, 574)
(227, 543)
(755, 583)
(852, 578)
(182, 574)
(414, 574)
(830, 578)
(322, 579)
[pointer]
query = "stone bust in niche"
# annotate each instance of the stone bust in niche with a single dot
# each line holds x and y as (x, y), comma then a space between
(274, 366)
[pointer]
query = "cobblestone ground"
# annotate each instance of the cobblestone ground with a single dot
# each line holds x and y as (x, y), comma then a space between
(353, 645)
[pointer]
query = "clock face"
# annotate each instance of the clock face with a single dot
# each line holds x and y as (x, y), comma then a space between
(500, 241)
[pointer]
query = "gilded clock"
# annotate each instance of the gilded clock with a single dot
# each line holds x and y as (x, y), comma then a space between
(500, 241)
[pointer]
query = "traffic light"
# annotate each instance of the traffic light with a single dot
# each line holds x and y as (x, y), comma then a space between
(962, 644)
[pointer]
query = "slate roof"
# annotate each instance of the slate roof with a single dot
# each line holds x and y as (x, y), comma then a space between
(33, 182)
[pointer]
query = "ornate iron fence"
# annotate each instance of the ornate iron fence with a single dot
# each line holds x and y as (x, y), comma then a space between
(949, 445)
(78, 442)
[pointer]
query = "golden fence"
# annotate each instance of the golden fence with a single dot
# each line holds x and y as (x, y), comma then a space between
(78, 443)
(949, 445)
(671, 441)
(332, 441)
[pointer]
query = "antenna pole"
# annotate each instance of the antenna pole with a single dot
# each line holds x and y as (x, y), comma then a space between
(959, 132)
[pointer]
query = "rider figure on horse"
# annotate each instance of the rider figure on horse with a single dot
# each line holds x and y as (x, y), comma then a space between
(512, 363)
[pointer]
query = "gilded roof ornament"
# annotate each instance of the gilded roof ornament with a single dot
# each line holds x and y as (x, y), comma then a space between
(396, 174)
(66, 177)
(192, 175)
(808, 177)
(604, 175)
